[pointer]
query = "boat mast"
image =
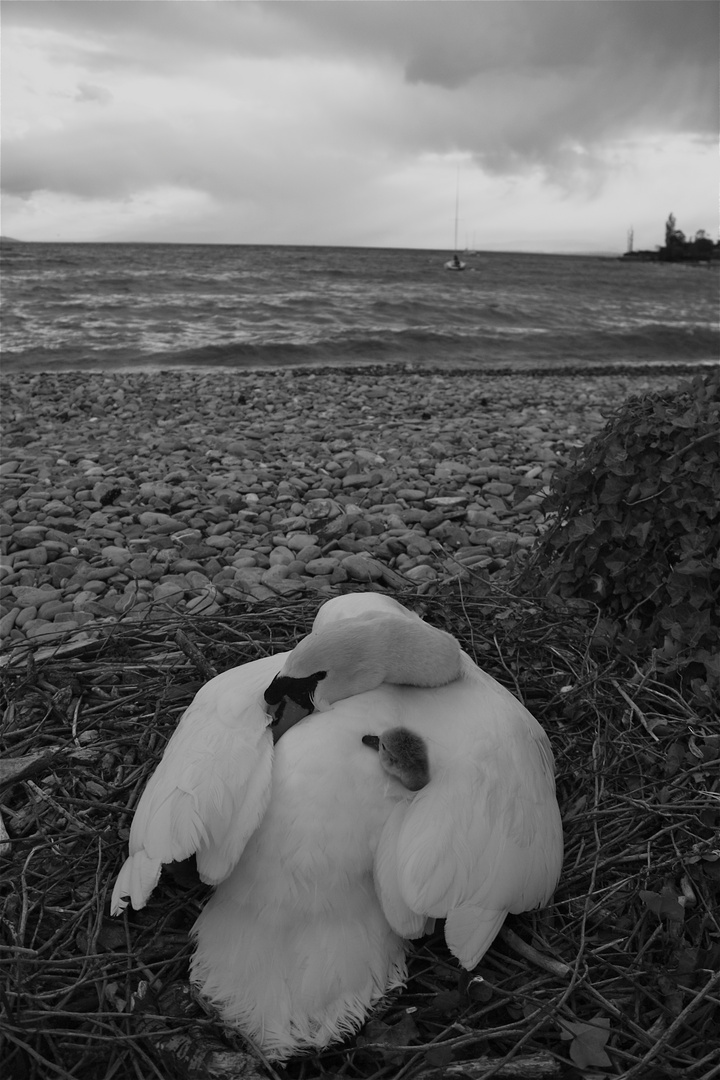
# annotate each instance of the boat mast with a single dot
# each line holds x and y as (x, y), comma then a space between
(457, 207)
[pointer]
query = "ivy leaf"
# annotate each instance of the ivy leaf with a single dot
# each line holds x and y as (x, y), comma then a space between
(446, 1003)
(616, 454)
(640, 532)
(664, 903)
(587, 1048)
(691, 566)
(581, 526)
(439, 1056)
(389, 1036)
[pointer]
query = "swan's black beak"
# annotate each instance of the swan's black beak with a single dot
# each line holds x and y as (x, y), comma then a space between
(284, 715)
(288, 700)
(372, 741)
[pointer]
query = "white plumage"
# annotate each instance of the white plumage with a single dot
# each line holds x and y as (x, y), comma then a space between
(294, 947)
(310, 928)
(211, 788)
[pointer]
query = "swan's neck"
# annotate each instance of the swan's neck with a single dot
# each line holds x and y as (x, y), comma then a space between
(388, 650)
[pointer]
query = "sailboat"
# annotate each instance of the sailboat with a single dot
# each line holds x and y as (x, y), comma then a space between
(470, 250)
(455, 263)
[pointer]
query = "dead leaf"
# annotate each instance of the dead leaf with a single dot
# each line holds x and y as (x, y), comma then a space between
(388, 1036)
(587, 1048)
(439, 1056)
(665, 903)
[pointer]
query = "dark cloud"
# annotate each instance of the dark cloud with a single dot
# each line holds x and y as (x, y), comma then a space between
(522, 85)
(621, 56)
(443, 42)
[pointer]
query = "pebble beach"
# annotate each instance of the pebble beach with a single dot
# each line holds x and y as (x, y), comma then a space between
(140, 496)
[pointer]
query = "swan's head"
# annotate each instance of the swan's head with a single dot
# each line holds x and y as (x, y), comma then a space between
(355, 655)
(403, 754)
(326, 666)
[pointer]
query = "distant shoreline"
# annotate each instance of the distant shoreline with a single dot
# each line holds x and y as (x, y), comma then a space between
(320, 247)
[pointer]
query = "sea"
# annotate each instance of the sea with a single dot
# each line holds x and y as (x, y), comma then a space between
(125, 307)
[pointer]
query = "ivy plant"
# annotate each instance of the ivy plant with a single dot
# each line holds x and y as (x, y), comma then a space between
(637, 530)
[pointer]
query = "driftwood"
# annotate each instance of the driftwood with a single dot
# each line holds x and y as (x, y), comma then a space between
(531, 1067)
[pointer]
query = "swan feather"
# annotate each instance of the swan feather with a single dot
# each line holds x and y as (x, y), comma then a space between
(210, 789)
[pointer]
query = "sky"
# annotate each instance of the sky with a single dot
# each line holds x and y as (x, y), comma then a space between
(555, 125)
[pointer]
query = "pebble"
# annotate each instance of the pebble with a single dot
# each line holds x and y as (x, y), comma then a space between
(395, 478)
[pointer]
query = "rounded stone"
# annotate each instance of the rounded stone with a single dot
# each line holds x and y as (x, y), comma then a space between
(40, 628)
(276, 572)
(280, 555)
(168, 592)
(309, 553)
(117, 556)
(298, 541)
(7, 622)
(53, 608)
(31, 596)
(361, 568)
(421, 573)
(321, 566)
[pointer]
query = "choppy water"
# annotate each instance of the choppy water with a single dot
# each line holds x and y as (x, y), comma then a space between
(132, 306)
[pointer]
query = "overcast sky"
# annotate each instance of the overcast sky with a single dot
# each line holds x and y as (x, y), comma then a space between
(350, 121)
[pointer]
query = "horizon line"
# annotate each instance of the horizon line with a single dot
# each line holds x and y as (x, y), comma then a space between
(599, 253)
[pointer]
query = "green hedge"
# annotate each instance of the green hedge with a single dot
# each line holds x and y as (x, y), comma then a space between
(638, 531)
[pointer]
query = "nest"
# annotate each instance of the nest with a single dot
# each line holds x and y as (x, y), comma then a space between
(619, 976)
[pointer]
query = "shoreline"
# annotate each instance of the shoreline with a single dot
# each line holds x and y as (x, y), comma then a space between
(419, 367)
(142, 496)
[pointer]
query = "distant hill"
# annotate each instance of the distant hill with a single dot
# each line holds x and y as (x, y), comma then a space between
(10, 240)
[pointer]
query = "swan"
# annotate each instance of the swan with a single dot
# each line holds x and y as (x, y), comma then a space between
(392, 804)
(213, 784)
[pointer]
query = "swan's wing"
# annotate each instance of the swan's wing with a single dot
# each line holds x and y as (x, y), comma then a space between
(484, 838)
(211, 788)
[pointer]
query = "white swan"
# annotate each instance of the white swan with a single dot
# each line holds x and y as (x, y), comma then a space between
(213, 784)
(308, 931)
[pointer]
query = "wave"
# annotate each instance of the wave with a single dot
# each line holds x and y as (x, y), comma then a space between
(518, 347)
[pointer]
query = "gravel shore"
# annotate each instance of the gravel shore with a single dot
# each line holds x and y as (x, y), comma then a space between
(132, 496)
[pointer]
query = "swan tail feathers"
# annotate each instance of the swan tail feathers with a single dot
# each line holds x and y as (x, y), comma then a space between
(137, 878)
(294, 984)
(470, 931)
